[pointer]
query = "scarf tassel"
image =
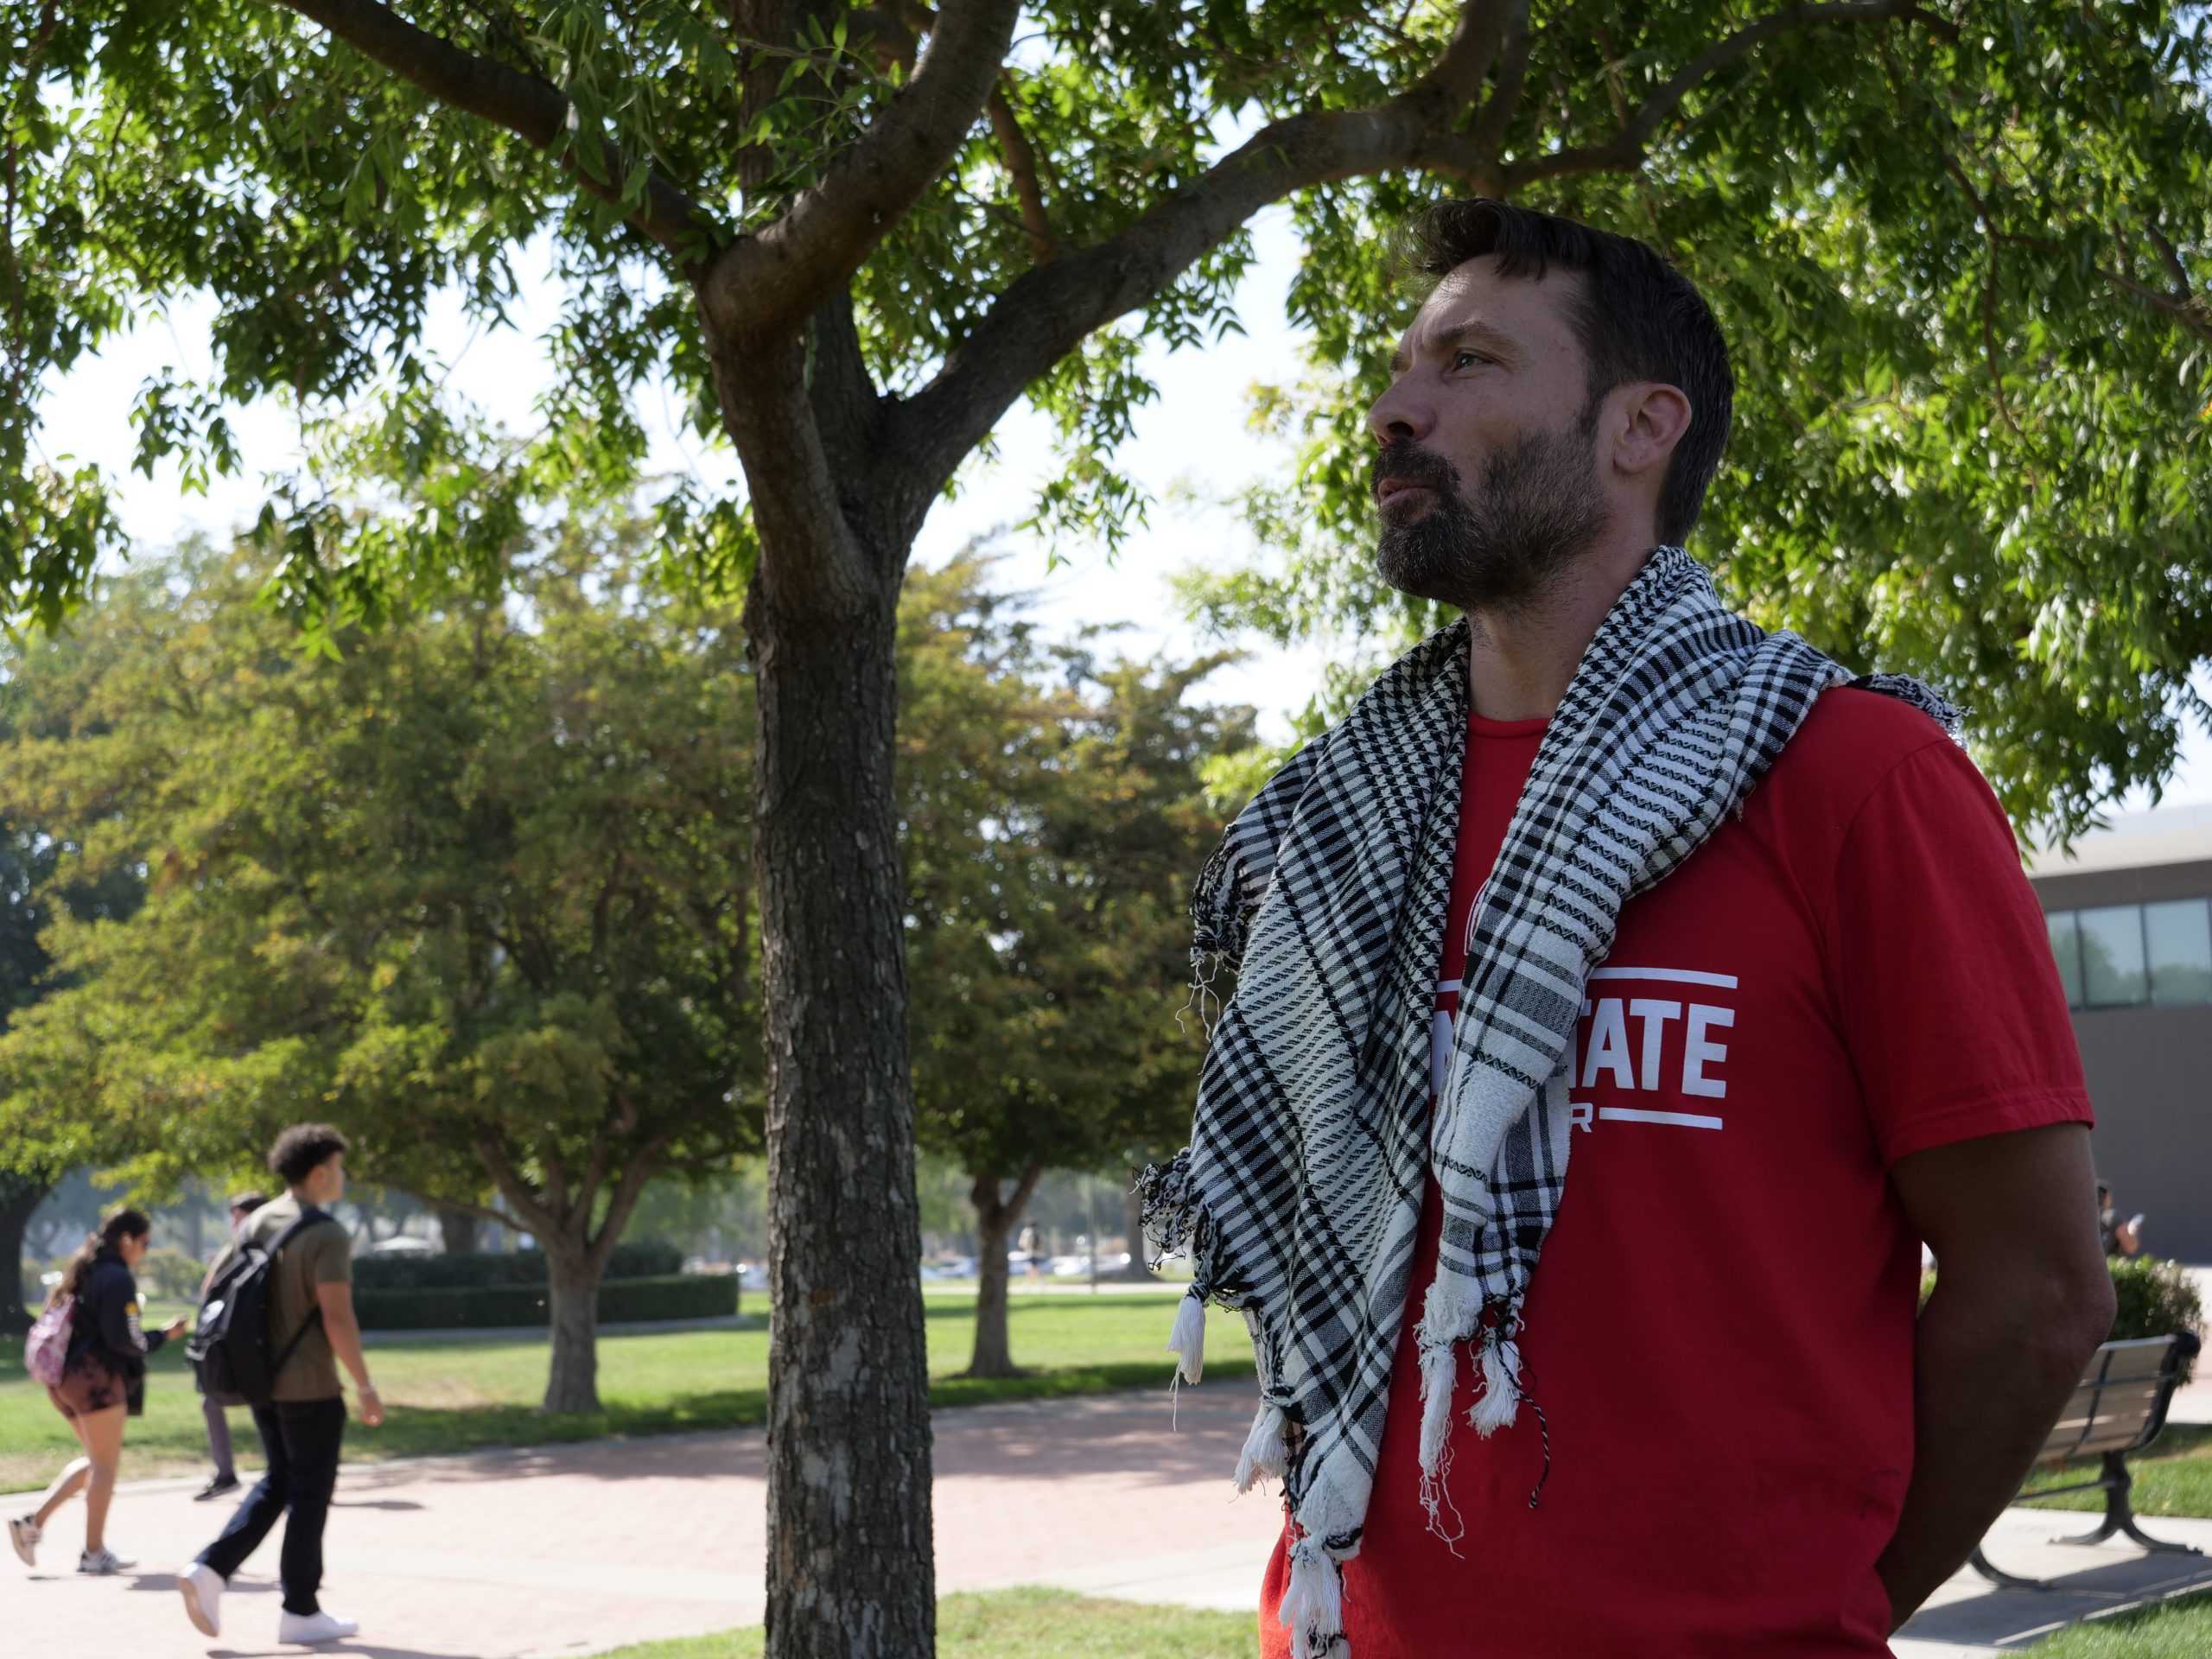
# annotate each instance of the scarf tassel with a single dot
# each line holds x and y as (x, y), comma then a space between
(1501, 1395)
(1188, 1340)
(1265, 1454)
(1312, 1603)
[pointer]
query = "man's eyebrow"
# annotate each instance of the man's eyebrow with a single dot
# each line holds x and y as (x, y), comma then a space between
(1477, 333)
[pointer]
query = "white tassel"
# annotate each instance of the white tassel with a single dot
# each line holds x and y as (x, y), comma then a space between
(1313, 1602)
(1439, 1368)
(1501, 1394)
(1264, 1454)
(1188, 1341)
(1439, 1371)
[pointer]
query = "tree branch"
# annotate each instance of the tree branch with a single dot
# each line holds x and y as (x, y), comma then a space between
(1625, 151)
(1513, 73)
(641, 1168)
(1988, 293)
(534, 110)
(765, 283)
(1045, 313)
(528, 1213)
(1021, 164)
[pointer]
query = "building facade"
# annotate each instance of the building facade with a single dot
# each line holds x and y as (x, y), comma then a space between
(2130, 913)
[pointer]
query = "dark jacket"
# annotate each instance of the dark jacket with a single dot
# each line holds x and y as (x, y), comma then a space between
(106, 1325)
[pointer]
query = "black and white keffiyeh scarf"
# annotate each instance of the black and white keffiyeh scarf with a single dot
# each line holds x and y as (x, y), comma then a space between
(1300, 1197)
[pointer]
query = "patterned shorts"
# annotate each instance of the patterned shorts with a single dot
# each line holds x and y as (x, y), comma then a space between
(86, 1387)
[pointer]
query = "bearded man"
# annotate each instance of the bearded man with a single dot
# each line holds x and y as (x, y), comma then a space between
(1621, 994)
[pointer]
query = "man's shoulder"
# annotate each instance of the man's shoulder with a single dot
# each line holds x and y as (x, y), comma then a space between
(1853, 743)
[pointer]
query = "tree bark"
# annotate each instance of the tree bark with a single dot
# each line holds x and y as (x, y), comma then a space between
(850, 1547)
(19, 1195)
(572, 1277)
(1133, 1222)
(457, 1232)
(993, 1355)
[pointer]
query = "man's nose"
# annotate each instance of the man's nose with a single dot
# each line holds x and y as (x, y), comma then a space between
(1399, 415)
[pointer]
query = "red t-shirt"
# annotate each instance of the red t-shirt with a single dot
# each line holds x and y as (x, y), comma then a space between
(1720, 1327)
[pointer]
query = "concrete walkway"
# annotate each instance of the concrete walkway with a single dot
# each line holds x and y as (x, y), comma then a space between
(573, 1550)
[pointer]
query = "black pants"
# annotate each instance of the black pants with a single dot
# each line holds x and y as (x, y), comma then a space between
(300, 1439)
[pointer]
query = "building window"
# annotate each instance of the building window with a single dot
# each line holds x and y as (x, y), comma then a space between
(2066, 946)
(2179, 937)
(2111, 956)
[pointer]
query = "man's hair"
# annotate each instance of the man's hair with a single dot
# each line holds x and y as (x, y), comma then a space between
(247, 1202)
(301, 1148)
(1637, 317)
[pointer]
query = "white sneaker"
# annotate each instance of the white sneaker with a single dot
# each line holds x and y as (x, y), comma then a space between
(307, 1629)
(102, 1563)
(203, 1588)
(23, 1533)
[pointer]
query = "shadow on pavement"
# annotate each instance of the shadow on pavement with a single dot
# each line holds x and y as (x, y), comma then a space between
(1198, 1437)
(2017, 1617)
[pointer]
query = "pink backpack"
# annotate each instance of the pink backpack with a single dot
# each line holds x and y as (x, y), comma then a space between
(46, 1351)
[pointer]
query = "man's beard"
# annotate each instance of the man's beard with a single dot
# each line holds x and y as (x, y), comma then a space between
(1538, 508)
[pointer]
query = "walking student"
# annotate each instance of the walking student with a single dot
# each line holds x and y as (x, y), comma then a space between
(1605, 913)
(103, 1383)
(311, 1300)
(215, 1406)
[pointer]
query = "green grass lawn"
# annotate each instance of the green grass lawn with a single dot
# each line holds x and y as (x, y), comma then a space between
(455, 1396)
(2173, 1477)
(1033, 1625)
(1048, 1624)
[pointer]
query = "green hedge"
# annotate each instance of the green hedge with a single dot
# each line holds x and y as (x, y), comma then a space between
(472, 1269)
(621, 1301)
(2157, 1299)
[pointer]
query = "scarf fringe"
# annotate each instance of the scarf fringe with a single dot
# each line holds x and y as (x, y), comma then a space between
(1314, 1603)
(1501, 1396)
(1265, 1455)
(1188, 1340)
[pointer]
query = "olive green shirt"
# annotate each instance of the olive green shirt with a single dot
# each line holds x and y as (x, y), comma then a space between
(323, 1254)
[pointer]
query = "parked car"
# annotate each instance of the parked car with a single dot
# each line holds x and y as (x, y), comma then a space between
(403, 1244)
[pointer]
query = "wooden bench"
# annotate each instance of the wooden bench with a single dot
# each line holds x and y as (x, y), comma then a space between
(2117, 1407)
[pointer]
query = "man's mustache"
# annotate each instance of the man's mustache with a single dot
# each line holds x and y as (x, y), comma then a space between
(1407, 462)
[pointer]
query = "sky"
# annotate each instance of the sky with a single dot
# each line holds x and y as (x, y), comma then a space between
(1200, 412)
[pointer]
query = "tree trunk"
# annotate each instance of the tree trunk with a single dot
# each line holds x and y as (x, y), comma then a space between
(995, 1219)
(19, 1195)
(457, 1232)
(850, 1569)
(1133, 1222)
(573, 1277)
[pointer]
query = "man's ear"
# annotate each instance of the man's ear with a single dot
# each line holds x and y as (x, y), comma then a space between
(1651, 419)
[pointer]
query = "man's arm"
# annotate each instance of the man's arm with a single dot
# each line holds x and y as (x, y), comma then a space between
(345, 1333)
(2022, 1299)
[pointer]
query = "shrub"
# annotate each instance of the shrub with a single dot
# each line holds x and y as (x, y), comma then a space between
(2157, 1297)
(482, 1307)
(473, 1269)
(170, 1274)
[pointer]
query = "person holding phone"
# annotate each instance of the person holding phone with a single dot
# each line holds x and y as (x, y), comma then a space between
(103, 1383)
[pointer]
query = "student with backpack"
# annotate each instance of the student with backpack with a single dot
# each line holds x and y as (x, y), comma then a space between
(277, 1324)
(214, 1403)
(88, 1349)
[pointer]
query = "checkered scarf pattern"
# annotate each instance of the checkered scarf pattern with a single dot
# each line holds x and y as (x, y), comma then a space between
(1300, 1197)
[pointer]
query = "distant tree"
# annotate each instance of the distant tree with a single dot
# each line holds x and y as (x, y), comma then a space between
(30, 894)
(1052, 820)
(476, 890)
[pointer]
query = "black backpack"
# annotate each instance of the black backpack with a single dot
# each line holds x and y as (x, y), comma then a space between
(231, 1340)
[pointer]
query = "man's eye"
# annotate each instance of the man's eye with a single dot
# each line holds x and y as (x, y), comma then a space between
(1463, 357)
